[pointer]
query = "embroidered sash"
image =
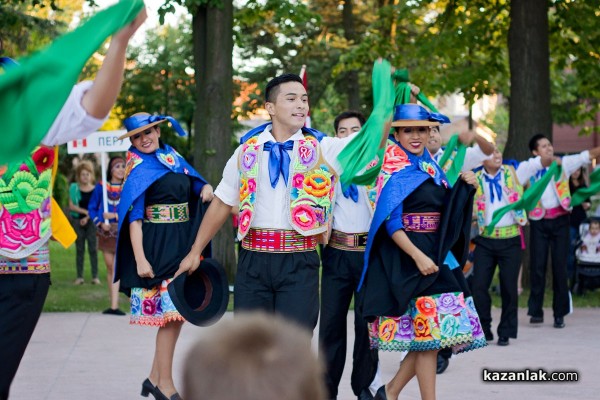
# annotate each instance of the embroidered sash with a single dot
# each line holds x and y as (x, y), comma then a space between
(561, 188)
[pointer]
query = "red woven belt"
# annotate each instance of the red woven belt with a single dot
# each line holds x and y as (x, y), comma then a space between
(278, 241)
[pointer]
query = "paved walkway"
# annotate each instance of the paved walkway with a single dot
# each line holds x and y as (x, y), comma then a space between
(94, 356)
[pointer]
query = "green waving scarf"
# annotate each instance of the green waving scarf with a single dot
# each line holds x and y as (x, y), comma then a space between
(583, 194)
(455, 168)
(33, 93)
(366, 145)
(530, 197)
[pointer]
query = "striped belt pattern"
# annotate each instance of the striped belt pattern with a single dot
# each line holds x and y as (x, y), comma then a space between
(503, 232)
(348, 241)
(421, 222)
(168, 213)
(278, 241)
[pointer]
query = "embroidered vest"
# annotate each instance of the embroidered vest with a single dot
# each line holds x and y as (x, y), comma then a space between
(510, 188)
(25, 203)
(394, 159)
(561, 188)
(310, 190)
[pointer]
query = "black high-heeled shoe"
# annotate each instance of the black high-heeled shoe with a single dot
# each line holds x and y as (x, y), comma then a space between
(380, 395)
(160, 396)
(148, 388)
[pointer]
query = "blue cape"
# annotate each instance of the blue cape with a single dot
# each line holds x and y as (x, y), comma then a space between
(401, 184)
(155, 165)
(256, 131)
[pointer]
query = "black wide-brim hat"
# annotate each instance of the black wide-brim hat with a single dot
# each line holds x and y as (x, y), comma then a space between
(202, 297)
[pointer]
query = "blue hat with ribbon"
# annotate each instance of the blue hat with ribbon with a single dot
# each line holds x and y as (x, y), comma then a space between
(139, 122)
(415, 115)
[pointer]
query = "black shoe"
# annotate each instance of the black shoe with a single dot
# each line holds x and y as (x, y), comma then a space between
(158, 395)
(489, 336)
(442, 364)
(113, 311)
(380, 395)
(536, 320)
(365, 394)
(147, 388)
(559, 322)
(502, 341)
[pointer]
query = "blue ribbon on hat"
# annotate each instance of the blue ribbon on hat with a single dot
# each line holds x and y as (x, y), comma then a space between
(494, 183)
(418, 113)
(137, 121)
(279, 160)
(351, 192)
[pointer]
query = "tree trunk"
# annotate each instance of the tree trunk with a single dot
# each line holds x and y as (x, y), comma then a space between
(351, 77)
(529, 55)
(529, 104)
(213, 46)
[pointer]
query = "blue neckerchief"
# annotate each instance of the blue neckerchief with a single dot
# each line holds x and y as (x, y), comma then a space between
(494, 184)
(279, 160)
(351, 191)
(257, 131)
(400, 184)
(541, 173)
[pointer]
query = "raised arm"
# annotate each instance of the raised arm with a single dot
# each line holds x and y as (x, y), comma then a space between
(99, 99)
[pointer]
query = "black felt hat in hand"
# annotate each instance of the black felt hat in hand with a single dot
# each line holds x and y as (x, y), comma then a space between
(202, 297)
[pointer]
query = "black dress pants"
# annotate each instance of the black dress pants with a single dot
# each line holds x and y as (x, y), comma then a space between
(550, 234)
(286, 284)
(22, 298)
(506, 254)
(340, 277)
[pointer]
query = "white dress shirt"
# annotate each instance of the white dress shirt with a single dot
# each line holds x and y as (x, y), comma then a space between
(351, 217)
(570, 164)
(73, 122)
(271, 208)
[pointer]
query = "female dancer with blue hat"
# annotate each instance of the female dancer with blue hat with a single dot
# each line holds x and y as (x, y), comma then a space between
(412, 292)
(159, 212)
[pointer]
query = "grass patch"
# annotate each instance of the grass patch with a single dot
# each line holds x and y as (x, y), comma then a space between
(66, 297)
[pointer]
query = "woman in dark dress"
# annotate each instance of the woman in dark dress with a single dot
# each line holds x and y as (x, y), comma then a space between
(413, 294)
(159, 212)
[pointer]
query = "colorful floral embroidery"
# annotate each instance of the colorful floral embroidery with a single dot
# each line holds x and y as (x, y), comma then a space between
(426, 306)
(24, 192)
(249, 160)
(428, 168)
(167, 159)
(133, 160)
(307, 152)
(304, 216)
(43, 158)
(394, 159)
(317, 184)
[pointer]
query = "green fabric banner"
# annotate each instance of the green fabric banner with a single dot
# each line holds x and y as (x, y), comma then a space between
(530, 197)
(583, 194)
(366, 144)
(460, 150)
(33, 93)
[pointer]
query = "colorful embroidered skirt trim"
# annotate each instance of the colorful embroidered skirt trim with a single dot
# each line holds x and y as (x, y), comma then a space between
(277, 241)
(168, 213)
(37, 262)
(431, 323)
(153, 307)
(503, 232)
(421, 222)
(348, 241)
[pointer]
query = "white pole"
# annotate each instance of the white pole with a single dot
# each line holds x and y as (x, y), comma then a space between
(104, 191)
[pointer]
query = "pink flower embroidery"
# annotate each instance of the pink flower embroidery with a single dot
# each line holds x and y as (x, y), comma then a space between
(297, 181)
(19, 229)
(304, 216)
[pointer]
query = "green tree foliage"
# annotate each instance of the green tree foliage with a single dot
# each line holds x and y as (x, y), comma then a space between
(161, 80)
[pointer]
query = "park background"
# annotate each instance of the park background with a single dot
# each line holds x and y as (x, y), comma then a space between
(518, 67)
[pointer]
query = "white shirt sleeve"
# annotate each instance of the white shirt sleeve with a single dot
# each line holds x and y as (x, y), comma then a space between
(573, 162)
(528, 168)
(332, 147)
(228, 189)
(474, 157)
(73, 122)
